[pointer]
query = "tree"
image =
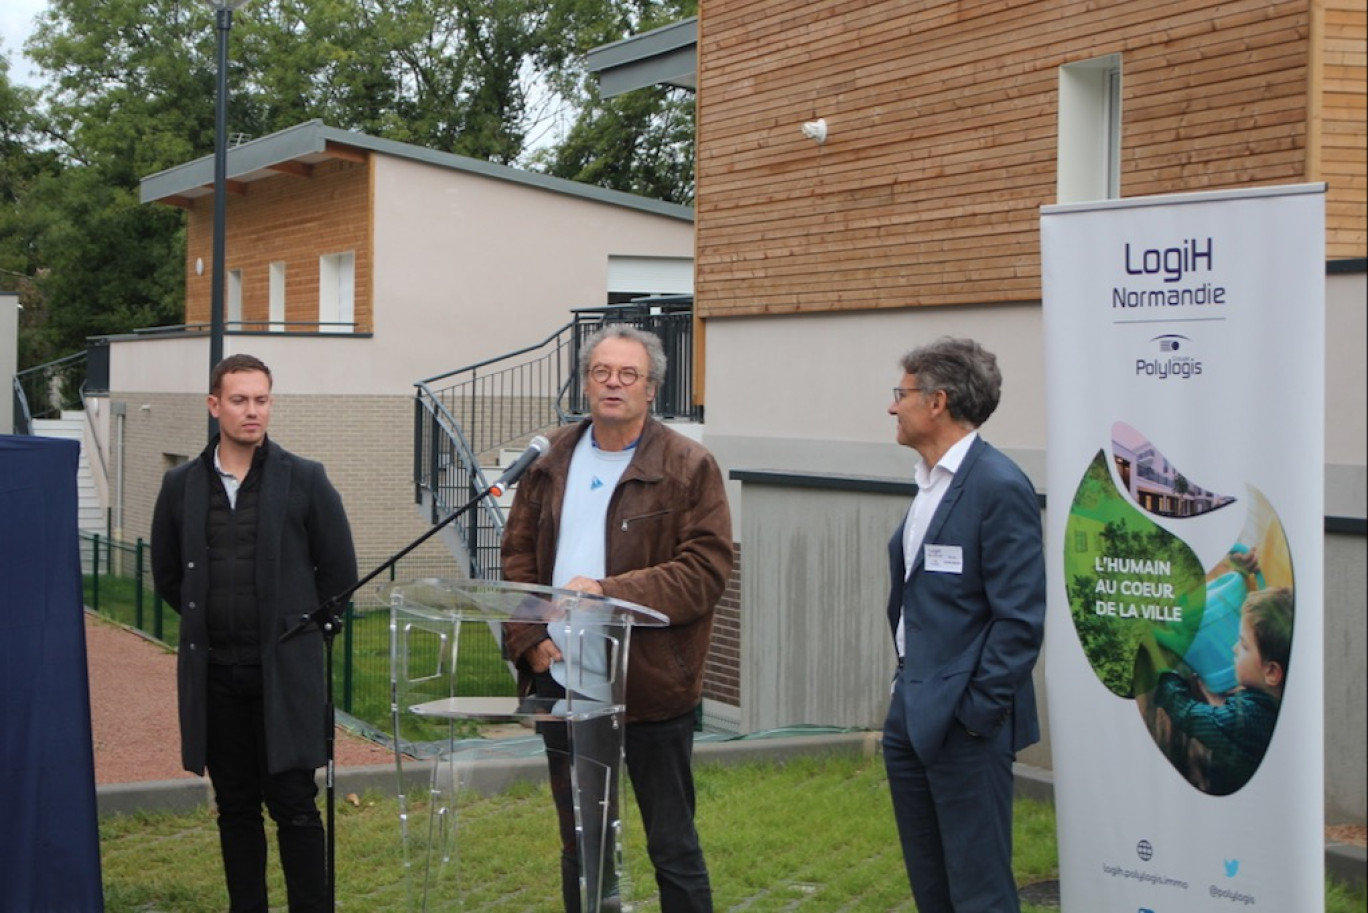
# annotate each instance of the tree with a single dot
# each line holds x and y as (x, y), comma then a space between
(104, 249)
(130, 91)
(22, 166)
(641, 142)
(131, 85)
(134, 80)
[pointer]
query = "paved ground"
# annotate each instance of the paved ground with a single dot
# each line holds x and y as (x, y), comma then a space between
(133, 710)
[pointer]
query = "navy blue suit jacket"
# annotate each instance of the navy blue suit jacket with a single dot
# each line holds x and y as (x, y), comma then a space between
(972, 637)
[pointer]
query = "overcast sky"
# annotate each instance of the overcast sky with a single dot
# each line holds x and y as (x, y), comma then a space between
(16, 24)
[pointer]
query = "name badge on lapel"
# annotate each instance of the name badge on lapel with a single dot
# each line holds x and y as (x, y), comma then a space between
(944, 559)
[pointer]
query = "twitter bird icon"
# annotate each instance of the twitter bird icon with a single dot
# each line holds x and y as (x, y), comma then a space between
(1231, 867)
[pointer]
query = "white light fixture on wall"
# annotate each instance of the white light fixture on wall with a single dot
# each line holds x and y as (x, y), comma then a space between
(816, 130)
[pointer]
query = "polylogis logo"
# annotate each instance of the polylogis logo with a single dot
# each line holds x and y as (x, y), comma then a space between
(1172, 360)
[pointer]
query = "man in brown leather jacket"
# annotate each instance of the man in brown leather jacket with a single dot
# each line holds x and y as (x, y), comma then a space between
(625, 507)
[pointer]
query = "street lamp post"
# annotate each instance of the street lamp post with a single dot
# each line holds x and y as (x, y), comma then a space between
(223, 19)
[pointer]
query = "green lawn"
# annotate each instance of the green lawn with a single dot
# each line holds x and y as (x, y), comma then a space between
(480, 670)
(121, 599)
(814, 834)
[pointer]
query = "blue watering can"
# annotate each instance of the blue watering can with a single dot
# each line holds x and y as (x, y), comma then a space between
(1210, 655)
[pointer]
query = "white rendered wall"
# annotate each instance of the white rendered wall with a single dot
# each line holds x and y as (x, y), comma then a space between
(9, 356)
(810, 394)
(468, 267)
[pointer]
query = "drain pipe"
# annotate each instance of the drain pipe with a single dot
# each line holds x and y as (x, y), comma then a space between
(117, 410)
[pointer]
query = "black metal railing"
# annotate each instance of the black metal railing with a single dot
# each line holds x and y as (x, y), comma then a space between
(43, 391)
(256, 328)
(23, 421)
(447, 476)
(502, 402)
(464, 418)
(668, 317)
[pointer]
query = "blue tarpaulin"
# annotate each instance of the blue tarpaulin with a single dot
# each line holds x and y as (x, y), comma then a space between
(49, 830)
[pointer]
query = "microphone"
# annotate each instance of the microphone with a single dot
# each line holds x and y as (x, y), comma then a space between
(529, 456)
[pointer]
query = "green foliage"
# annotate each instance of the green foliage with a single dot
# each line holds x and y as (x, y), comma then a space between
(110, 262)
(22, 165)
(130, 89)
(641, 143)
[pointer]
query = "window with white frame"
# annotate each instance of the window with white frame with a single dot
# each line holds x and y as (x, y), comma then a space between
(1089, 159)
(277, 297)
(233, 319)
(337, 293)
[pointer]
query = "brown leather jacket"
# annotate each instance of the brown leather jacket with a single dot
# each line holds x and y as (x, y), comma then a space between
(669, 548)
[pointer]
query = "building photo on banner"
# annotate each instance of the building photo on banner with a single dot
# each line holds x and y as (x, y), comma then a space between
(1185, 548)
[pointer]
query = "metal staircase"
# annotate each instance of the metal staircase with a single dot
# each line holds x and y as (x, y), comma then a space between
(469, 422)
(90, 513)
(464, 420)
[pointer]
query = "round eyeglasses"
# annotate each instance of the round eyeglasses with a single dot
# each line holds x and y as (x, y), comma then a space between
(601, 374)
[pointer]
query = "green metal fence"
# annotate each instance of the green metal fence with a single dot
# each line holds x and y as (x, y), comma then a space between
(118, 586)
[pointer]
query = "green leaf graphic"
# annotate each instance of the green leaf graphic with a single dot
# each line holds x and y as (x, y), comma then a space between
(1136, 591)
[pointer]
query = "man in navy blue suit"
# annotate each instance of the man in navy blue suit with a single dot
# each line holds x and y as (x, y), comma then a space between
(967, 613)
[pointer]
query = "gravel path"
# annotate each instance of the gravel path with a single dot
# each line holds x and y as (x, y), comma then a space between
(133, 710)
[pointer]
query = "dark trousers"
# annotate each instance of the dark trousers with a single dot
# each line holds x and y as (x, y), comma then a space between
(237, 768)
(954, 817)
(660, 763)
(659, 759)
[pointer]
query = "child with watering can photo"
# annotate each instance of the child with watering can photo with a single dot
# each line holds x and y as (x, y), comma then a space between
(1238, 661)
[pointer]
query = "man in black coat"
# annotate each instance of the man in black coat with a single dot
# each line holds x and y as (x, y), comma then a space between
(246, 539)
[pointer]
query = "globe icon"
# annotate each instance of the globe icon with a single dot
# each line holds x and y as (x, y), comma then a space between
(1144, 850)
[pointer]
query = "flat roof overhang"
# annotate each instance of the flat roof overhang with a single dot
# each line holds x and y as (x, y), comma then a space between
(664, 56)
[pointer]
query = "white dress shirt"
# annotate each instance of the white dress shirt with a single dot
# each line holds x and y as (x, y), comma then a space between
(932, 484)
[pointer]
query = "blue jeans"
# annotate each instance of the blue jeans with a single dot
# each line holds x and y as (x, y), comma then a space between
(236, 760)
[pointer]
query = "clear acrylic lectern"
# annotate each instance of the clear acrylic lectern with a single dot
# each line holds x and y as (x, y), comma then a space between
(593, 633)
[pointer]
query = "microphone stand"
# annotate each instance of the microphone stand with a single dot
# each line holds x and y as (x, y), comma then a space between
(328, 619)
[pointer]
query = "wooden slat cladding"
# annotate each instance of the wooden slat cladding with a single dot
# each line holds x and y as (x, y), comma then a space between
(942, 143)
(292, 220)
(1339, 93)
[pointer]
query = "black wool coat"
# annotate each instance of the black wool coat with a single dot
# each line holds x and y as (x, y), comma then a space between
(304, 555)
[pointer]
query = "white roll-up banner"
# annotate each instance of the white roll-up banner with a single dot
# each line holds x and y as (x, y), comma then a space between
(1185, 377)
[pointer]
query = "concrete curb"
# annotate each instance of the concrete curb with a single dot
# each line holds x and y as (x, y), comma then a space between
(182, 795)
(1346, 864)
(490, 775)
